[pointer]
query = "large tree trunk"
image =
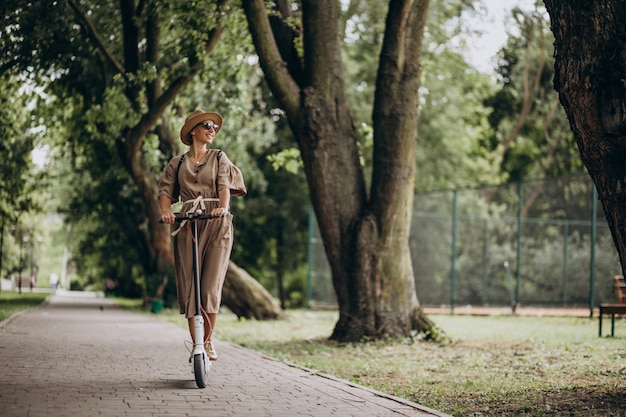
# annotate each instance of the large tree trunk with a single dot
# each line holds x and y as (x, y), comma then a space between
(395, 145)
(366, 239)
(590, 69)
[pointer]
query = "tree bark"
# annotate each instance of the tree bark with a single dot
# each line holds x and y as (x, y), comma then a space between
(590, 62)
(365, 238)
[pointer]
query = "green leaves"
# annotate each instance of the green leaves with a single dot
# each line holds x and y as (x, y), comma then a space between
(287, 159)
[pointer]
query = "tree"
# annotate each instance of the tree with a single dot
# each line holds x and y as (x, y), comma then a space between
(365, 232)
(531, 133)
(18, 181)
(589, 77)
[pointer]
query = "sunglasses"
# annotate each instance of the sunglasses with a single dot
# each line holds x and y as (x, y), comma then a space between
(208, 126)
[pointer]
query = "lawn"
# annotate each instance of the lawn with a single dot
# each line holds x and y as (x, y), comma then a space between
(12, 302)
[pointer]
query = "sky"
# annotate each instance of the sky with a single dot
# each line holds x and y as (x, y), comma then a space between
(483, 49)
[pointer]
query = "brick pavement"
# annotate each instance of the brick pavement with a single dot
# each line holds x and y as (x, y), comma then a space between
(84, 356)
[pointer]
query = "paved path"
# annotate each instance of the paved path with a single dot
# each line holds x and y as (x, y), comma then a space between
(84, 356)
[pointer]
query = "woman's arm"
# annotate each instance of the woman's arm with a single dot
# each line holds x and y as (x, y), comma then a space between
(224, 203)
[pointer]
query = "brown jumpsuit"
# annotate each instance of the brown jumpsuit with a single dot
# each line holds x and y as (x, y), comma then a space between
(215, 236)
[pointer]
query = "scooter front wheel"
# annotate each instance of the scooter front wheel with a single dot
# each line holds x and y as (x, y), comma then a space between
(201, 370)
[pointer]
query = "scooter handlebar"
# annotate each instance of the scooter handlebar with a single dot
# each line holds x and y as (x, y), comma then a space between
(180, 218)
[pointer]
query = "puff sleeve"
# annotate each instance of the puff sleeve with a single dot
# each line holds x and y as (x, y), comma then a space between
(229, 176)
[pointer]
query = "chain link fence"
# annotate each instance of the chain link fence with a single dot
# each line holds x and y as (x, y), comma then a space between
(537, 243)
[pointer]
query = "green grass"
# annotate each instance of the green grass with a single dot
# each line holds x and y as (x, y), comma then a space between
(12, 302)
(491, 365)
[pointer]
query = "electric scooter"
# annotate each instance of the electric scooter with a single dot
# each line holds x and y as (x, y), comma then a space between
(201, 364)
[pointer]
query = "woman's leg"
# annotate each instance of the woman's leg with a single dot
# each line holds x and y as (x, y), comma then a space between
(209, 325)
(190, 323)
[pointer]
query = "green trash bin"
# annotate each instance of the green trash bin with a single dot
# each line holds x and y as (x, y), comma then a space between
(157, 306)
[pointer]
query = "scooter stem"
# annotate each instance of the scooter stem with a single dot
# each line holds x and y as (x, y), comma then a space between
(198, 333)
(198, 320)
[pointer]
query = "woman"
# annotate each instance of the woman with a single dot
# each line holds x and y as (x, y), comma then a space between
(204, 179)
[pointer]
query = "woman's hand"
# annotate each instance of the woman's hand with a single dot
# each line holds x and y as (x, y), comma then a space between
(166, 212)
(219, 211)
(168, 217)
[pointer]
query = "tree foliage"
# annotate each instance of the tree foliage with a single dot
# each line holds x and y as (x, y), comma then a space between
(531, 137)
(17, 143)
(20, 181)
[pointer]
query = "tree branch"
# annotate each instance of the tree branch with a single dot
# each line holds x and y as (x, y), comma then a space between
(277, 75)
(161, 101)
(530, 94)
(95, 37)
(396, 105)
(321, 43)
(153, 42)
(282, 21)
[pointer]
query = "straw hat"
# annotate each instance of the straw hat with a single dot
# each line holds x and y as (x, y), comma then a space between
(194, 119)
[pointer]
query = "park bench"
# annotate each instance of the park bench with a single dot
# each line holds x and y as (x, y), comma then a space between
(614, 309)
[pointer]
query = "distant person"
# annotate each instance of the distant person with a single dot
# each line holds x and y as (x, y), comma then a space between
(110, 286)
(54, 281)
(205, 179)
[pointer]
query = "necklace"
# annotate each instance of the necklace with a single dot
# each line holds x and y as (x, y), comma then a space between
(197, 160)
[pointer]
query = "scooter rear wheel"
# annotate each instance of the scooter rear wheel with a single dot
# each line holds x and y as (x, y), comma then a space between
(200, 370)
